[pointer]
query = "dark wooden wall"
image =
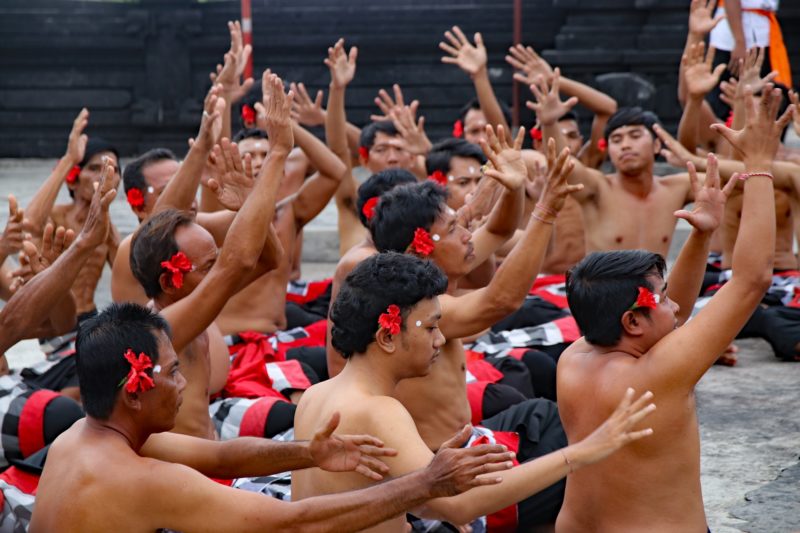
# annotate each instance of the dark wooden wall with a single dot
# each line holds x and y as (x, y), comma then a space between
(142, 67)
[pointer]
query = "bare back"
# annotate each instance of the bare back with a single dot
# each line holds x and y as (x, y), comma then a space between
(356, 409)
(616, 219)
(261, 306)
(660, 489)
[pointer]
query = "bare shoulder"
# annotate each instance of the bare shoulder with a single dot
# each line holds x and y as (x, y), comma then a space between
(351, 259)
(533, 156)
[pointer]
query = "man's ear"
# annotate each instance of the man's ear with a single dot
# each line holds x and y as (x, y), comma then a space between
(385, 340)
(632, 324)
(166, 285)
(657, 146)
(131, 400)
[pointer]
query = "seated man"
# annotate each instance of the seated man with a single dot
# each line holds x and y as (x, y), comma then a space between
(387, 320)
(630, 322)
(120, 468)
(456, 165)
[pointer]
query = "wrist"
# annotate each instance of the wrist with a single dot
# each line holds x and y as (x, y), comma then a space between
(757, 164)
(306, 454)
(481, 72)
(333, 86)
(544, 213)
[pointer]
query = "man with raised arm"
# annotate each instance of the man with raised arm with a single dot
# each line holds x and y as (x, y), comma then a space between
(120, 468)
(390, 322)
(634, 337)
(189, 278)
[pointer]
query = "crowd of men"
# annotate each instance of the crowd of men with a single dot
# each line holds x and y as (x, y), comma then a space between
(500, 347)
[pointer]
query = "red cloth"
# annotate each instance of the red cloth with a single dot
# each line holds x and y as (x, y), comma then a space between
(312, 291)
(31, 422)
(475, 392)
(541, 287)
(24, 481)
(505, 520)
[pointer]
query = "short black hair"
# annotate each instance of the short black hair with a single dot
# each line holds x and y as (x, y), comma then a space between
(569, 115)
(133, 176)
(404, 209)
(154, 242)
(475, 104)
(94, 146)
(249, 133)
(376, 283)
(100, 347)
(369, 132)
(442, 152)
(631, 116)
(603, 285)
(379, 183)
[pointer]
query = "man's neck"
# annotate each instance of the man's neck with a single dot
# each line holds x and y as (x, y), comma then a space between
(161, 302)
(117, 430)
(638, 184)
(373, 377)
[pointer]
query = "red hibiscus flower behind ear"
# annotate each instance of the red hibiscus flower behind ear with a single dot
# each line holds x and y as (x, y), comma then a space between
(73, 174)
(135, 198)
(363, 151)
(602, 145)
(391, 320)
(645, 299)
(439, 177)
(137, 379)
(422, 244)
(248, 113)
(536, 134)
(178, 265)
(368, 209)
(458, 129)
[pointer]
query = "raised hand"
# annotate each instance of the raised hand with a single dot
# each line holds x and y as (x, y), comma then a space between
(454, 469)
(548, 105)
(729, 91)
(700, 78)
(556, 188)
(34, 260)
(413, 132)
(508, 168)
(469, 58)
(701, 19)
(750, 72)
(758, 142)
(229, 75)
(674, 152)
(277, 114)
(349, 453)
(306, 111)
(95, 229)
(76, 145)
(11, 239)
(232, 174)
(795, 100)
(386, 104)
(342, 65)
(531, 65)
(709, 200)
(211, 123)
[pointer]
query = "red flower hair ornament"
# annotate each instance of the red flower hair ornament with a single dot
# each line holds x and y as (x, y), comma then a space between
(135, 198)
(368, 209)
(729, 120)
(422, 244)
(536, 134)
(72, 175)
(458, 129)
(137, 379)
(178, 265)
(645, 299)
(439, 177)
(248, 113)
(363, 151)
(602, 145)
(391, 320)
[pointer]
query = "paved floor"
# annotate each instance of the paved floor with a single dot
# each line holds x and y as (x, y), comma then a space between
(749, 417)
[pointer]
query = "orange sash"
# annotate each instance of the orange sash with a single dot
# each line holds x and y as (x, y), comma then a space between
(778, 56)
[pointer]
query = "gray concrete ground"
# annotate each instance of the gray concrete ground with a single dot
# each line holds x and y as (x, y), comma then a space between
(749, 422)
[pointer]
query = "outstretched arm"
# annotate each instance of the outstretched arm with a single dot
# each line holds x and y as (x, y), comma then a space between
(472, 59)
(684, 355)
(686, 276)
(181, 190)
(24, 311)
(549, 108)
(38, 210)
(700, 79)
(469, 314)
(240, 252)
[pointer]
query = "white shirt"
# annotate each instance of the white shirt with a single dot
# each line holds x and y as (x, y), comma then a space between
(755, 26)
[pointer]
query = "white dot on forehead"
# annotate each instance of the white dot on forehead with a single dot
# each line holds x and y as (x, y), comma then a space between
(471, 169)
(436, 237)
(259, 146)
(451, 211)
(157, 369)
(419, 323)
(151, 190)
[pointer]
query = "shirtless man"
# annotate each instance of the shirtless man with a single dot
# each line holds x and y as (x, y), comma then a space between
(80, 167)
(120, 467)
(144, 179)
(189, 279)
(387, 321)
(630, 322)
